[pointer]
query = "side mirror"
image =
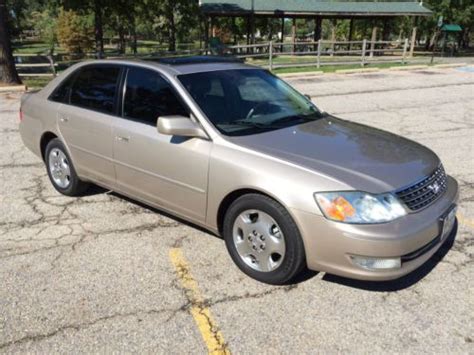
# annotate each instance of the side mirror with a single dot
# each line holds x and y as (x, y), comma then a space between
(180, 126)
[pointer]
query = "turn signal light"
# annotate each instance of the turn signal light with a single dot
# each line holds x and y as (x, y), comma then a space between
(338, 209)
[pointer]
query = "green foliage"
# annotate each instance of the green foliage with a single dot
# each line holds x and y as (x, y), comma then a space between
(74, 32)
(459, 12)
(45, 23)
(171, 22)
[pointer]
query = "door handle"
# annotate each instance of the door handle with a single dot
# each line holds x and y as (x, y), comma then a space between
(122, 138)
(63, 119)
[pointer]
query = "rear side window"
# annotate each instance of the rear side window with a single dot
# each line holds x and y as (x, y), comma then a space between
(148, 96)
(95, 88)
(61, 94)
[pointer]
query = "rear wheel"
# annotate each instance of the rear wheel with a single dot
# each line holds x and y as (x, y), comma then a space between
(61, 171)
(263, 240)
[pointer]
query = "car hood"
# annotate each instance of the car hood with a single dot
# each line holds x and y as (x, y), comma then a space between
(359, 156)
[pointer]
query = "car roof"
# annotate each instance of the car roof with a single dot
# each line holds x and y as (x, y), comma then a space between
(184, 65)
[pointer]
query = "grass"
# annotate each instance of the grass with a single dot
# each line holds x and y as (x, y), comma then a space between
(333, 68)
(143, 47)
(33, 47)
(40, 82)
(36, 82)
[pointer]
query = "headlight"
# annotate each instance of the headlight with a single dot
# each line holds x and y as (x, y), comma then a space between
(359, 207)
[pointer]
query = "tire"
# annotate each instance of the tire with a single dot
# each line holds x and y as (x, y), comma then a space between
(263, 240)
(61, 171)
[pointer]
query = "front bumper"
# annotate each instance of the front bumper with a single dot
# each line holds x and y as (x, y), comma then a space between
(329, 245)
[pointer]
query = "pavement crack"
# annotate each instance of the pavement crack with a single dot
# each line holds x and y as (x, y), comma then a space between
(249, 295)
(79, 326)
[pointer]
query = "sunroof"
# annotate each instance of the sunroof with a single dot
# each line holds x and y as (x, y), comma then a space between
(199, 59)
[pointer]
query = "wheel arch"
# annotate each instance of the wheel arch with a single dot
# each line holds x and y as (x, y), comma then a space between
(234, 195)
(45, 139)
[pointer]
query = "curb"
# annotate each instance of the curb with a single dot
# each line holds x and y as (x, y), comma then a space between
(409, 67)
(13, 88)
(309, 73)
(355, 71)
(450, 65)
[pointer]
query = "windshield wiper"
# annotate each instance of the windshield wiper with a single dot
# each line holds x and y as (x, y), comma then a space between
(250, 124)
(305, 118)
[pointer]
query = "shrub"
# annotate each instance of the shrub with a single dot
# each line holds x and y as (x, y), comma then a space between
(74, 32)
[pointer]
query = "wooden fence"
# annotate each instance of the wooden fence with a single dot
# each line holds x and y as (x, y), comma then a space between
(271, 55)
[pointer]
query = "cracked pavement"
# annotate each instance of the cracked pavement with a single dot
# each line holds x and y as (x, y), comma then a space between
(93, 274)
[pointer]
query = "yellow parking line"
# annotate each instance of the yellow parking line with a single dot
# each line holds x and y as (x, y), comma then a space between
(201, 313)
(465, 221)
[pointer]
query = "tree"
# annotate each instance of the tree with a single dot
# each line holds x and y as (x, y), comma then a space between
(74, 32)
(98, 8)
(8, 73)
(460, 12)
(45, 23)
(174, 18)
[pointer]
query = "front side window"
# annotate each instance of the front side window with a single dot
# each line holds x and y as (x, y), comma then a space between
(248, 101)
(149, 96)
(95, 88)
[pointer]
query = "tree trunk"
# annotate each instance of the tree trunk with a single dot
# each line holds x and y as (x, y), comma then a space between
(98, 29)
(8, 73)
(134, 39)
(235, 30)
(464, 41)
(171, 29)
(270, 29)
(121, 43)
(387, 27)
(132, 31)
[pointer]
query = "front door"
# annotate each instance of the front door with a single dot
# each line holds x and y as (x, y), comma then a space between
(168, 171)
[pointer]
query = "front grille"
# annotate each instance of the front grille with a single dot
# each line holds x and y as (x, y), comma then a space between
(424, 192)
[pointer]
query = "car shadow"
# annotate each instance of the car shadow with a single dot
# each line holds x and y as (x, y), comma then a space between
(405, 281)
(164, 214)
(97, 190)
(377, 286)
(93, 190)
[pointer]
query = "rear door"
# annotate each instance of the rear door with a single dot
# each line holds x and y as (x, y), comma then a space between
(168, 171)
(86, 122)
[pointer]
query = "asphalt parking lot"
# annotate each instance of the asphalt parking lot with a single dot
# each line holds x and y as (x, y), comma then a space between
(103, 273)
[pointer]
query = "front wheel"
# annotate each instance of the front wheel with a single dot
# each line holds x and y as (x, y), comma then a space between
(263, 240)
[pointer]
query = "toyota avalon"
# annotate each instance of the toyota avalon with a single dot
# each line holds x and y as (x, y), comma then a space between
(236, 150)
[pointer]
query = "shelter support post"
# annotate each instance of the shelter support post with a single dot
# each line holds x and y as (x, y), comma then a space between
(373, 39)
(248, 32)
(351, 31)
(282, 33)
(333, 36)
(413, 36)
(252, 29)
(317, 30)
(293, 35)
(213, 27)
(206, 33)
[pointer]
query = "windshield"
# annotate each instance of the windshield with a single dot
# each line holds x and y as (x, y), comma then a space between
(248, 101)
